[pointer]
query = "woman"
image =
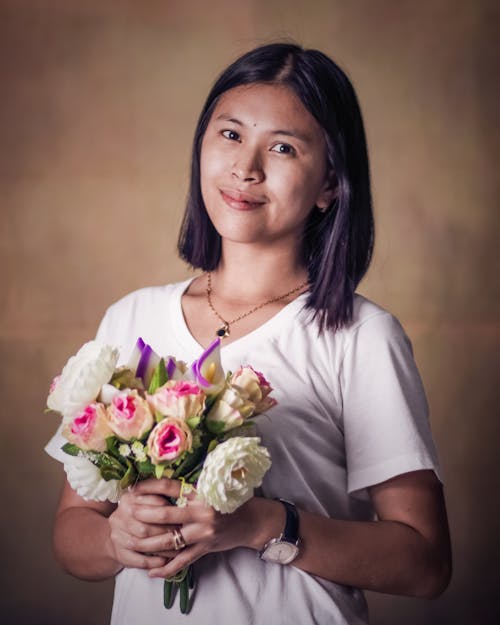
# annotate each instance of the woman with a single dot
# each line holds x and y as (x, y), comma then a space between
(279, 219)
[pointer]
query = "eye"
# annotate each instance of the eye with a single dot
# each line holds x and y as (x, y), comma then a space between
(283, 148)
(232, 135)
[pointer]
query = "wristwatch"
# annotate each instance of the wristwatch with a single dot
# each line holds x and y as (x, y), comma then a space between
(285, 548)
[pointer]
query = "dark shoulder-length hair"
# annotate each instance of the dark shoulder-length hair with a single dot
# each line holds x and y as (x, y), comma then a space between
(337, 243)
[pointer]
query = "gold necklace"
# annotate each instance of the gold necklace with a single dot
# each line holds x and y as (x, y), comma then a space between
(223, 331)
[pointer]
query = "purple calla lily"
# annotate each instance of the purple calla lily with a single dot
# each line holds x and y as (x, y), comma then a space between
(144, 361)
(207, 370)
(135, 356)
(171, 367)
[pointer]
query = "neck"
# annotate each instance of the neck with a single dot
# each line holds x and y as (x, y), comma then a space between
(247, 274)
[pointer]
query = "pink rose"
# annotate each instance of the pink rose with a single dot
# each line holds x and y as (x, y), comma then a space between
(254, 386)
(168, 440)
(89, 428)
(180, 399)
(130, 416)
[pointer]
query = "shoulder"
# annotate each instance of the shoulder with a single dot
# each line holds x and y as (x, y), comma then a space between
(371, 317)
(369, 321)
(146, 298)
(149, 295)
(375, 344)
(139, 312)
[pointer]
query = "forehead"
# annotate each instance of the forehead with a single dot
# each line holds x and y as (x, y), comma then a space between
(267, 107)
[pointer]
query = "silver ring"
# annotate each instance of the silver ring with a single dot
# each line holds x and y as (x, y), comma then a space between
(179, 542)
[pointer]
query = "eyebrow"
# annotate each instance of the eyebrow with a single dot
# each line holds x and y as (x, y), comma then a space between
(288, 133)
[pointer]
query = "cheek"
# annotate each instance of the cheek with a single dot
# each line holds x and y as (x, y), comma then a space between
(211, 168)
(298, 190)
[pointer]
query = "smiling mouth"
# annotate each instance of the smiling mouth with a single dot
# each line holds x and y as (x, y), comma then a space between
(240, 201)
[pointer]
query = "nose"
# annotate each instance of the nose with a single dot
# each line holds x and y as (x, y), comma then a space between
(247, 166)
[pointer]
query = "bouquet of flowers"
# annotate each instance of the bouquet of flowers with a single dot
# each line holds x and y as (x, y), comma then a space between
(157, 417)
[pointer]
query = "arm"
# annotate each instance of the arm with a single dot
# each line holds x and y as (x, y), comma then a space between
(406, 551)
(92, 539)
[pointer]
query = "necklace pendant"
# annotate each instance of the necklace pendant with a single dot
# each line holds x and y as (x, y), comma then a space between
(223, 331)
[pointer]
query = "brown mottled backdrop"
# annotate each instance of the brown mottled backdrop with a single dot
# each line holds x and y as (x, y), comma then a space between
(98, 103)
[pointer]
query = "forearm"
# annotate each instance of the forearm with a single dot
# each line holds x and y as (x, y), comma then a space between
(384, 556)
(82, 545)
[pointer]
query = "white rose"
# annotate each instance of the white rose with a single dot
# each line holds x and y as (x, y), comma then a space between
(82, 378)
(231, 473)
(85, 478)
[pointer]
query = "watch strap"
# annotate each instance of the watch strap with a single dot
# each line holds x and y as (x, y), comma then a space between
(291, 531)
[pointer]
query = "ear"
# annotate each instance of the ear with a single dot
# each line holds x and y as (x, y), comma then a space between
(329, 192)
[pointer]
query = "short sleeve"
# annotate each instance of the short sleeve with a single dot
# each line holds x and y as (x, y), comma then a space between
(385, 411)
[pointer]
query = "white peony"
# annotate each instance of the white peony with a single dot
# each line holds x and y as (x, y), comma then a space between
(82, 378)
(85, 478)
(231, 473)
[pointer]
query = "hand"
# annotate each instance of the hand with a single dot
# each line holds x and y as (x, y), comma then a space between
(128, 530)
(204, 530)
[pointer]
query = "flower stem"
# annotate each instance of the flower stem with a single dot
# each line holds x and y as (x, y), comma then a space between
(168, 593)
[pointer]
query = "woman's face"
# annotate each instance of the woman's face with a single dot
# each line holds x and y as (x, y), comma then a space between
(263, 165)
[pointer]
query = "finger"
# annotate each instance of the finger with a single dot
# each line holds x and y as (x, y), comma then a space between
(136, 528)
(128, 556)
(164, 542)
(167, 555)
(136, 560)
(151, 500)
(163, 515)
(164, 486)
(182, 559)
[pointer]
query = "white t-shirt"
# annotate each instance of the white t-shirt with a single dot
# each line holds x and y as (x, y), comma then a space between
(351, 413)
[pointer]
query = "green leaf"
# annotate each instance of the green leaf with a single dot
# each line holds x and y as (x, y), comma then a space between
(111, 468)
(193, 422)
(112, 444)
(130, 476)
(71, 449)
(216, 427)
(160, 376)
(110, 473)
(159, 471)
(189, 462)
(145, 468)
(212, 445)
(125, 378)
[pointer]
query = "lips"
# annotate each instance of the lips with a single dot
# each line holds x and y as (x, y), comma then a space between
(241, 200)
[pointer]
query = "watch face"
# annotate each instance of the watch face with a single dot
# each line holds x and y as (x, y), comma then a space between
(281, 552)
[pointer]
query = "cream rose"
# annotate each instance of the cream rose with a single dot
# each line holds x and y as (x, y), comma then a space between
(178, 398)
(231, 473)
(229, 411)
(129, 416)
(89, 428)
(253, 385)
